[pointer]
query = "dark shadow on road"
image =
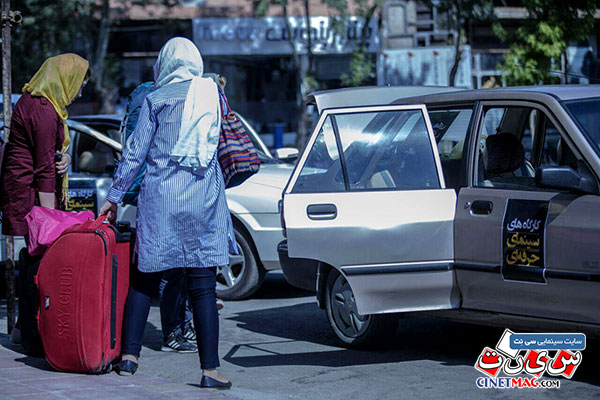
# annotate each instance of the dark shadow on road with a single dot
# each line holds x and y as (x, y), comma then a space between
(35, 362)
(276, 287)
(152, 337)
(445, 342)
(38, 363)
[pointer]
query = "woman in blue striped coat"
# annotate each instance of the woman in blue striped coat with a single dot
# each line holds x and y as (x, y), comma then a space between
(182, 218)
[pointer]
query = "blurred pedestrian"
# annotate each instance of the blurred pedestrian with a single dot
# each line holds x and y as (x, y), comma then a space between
(183, 220)
(36, 158)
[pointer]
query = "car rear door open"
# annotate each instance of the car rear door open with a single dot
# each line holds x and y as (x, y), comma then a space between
(368, 197)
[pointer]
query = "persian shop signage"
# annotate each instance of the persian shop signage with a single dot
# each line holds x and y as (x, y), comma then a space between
(260, 36)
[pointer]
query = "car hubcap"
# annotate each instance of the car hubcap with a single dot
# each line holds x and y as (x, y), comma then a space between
(229, 275)
(345, 313)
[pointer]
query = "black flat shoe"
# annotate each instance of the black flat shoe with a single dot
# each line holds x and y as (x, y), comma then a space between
(126, 368)
(212, 383)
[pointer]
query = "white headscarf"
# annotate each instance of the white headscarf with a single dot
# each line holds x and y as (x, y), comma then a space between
(179, 60)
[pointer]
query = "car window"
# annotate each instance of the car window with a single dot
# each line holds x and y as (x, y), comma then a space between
(264, 158)
(93, 156)
(450, 127)
(513, 143)
(387, 150)
(322, 170)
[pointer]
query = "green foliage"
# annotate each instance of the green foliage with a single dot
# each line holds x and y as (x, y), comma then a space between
(362, 70)
(49, 27)
(538, 44)
(530, 58)
(574, 17)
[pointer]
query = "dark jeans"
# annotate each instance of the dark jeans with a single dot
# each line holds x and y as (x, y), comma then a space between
(201, 283)
(175, 312)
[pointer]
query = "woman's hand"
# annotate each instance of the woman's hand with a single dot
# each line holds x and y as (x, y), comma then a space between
(62, 166)
(110, 210)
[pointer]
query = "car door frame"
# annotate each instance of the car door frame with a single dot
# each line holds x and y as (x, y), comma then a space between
(394, 287)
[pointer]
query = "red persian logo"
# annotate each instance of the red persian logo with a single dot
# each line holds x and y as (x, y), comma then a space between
(489, 362)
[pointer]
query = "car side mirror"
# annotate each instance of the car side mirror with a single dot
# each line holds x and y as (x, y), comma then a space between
(287, 154)
(565, 177)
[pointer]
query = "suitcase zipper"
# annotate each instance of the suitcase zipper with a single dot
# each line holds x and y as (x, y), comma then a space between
(113, 303)
(101, 234)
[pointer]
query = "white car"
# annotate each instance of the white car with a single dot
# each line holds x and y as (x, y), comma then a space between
(96, 148)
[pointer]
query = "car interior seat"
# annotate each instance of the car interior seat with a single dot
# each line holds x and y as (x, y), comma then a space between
(381, 179)
(93, 156)
(93, 161)
(503, 158)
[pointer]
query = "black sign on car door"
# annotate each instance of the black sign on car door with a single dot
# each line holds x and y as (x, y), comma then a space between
(523, 237)
(82, 195)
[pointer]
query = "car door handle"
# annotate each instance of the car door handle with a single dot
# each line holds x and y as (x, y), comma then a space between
(321, 211)
(482, 207)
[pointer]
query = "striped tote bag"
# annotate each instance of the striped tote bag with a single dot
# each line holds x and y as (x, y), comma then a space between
(236, 153)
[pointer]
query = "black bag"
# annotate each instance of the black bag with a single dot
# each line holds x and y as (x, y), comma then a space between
(29, 304)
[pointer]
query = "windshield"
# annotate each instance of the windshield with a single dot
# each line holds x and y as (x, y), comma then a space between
(587, 115)
(259, 146)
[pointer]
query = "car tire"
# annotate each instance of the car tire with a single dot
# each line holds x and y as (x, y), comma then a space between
(352, 329)
(243, 276)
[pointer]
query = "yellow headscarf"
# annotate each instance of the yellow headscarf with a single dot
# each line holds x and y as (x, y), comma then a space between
(58, 80)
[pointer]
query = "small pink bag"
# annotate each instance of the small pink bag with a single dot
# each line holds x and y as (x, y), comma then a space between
(46, 225)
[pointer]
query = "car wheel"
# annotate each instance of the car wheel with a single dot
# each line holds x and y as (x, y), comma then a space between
(243, 276)
(351, 328)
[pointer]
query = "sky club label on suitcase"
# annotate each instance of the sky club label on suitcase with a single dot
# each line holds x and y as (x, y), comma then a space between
(523, 238)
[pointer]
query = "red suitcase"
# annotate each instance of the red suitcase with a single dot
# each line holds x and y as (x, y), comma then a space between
(83, 282)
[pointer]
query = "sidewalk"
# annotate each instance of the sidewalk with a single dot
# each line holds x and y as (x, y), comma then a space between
(23, 377)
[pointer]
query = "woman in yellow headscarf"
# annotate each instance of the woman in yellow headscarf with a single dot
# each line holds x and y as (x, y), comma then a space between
(36, 158)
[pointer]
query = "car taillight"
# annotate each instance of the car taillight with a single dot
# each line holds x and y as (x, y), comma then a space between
(281, 218)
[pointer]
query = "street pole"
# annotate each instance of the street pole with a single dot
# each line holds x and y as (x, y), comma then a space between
(8, 18)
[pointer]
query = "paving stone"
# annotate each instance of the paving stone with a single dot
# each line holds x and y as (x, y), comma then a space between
(27, 373)
(122, 393)
(199, 394)
(38, 396)
(168, 387)
(11, 388)
(71, 382)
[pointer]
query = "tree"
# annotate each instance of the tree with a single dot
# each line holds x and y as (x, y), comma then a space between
(542, 40)
(304, 64)
(361, 66)
(460, 15)
(51, 27)
(47, 29)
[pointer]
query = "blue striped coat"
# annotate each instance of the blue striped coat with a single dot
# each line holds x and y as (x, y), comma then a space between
(182, 219)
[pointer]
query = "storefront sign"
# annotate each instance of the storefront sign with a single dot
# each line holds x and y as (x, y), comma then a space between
(523, 236)
(429, 66)
(264, 36)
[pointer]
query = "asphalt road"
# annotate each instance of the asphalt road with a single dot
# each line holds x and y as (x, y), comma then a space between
(278, 345)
